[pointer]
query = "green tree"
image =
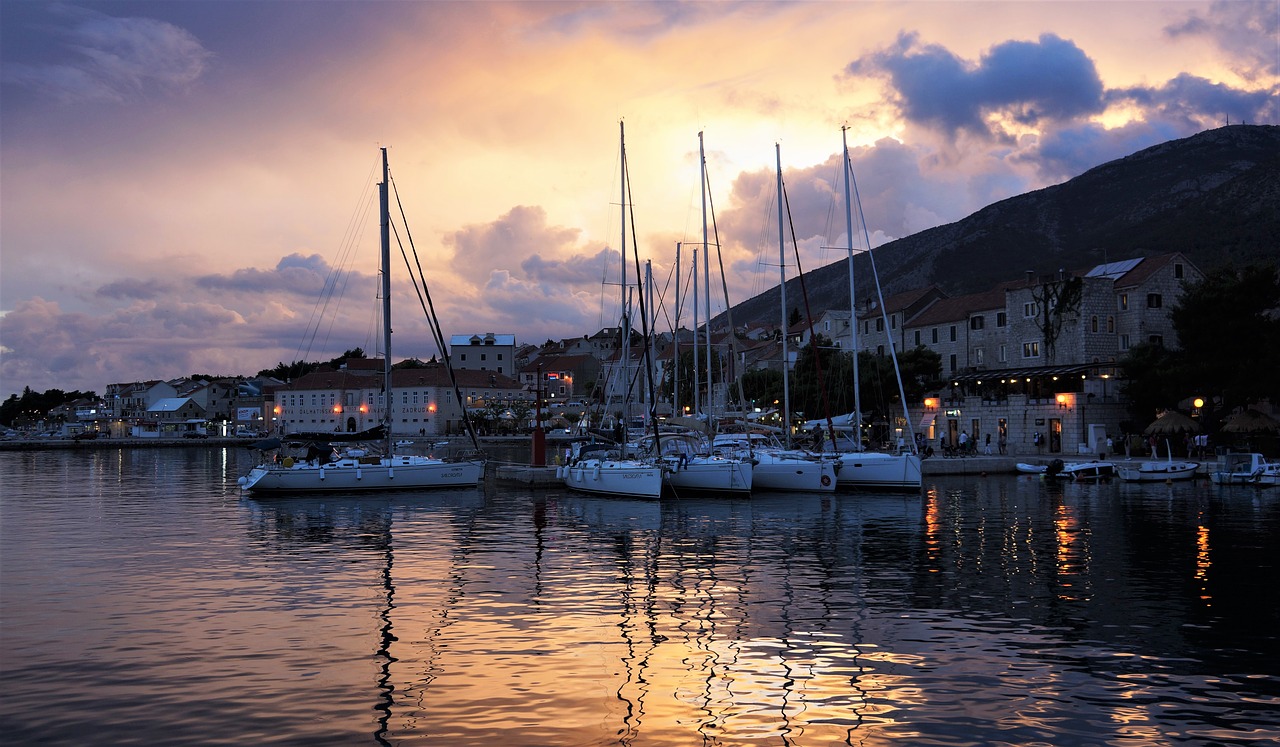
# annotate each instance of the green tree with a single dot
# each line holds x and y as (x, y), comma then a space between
(1229, 347)
(33, 406)
(833, 395)
(667, 385)
(1152, 381)
(763, 386)
(921, 372)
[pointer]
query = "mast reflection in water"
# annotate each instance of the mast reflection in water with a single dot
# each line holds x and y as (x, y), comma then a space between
(149, 602)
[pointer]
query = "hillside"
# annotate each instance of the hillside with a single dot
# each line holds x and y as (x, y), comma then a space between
(1214, 196)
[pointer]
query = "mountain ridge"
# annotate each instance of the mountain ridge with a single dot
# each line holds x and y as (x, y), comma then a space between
(1214, 196)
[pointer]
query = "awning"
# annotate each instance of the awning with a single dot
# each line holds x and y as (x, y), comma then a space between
(1027, 373)
(927, 420)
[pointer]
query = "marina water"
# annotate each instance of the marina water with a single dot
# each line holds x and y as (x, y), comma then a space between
(146, 602)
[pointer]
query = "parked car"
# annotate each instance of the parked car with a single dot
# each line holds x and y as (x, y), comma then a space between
(195, 434)
(85, 436)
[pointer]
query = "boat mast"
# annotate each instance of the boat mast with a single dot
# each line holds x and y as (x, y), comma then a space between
(853, 306)
(706, 277)
(782, 291)
(697, 378)
(884, 312)
(675, 345)
(384, 208)
(625, 347)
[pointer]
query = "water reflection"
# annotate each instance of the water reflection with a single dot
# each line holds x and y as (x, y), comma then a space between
(982, 610)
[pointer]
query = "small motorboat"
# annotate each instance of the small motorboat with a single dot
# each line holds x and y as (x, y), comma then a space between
(1031, 469)
(1080, 471)
(1158, 471)
(1244, 469)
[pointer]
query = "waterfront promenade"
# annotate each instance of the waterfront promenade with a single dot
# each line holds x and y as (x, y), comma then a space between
(935, 465)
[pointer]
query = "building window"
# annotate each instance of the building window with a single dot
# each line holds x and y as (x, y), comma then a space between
(1124, 301)
(976, 322)
(917, 338)
(1093, 323)
(1177, 270)
(953, 333)
(893, 322)
(463, 357)
(880, 324)
(1001, 318)
(1154, 301)
(1156, 340)
(1004, 354)
(1124, 342)
(935, 335)
(1111, 324)
(953, 363)
(1030, 350)
(880, 350)
(977, 356)
(1030, 309)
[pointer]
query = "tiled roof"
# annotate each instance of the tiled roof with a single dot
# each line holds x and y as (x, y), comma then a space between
(958, 308)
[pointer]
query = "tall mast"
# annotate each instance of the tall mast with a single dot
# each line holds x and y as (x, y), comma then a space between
(626, 326)
(706, 278)
(884, 312)
(385, 240)
(675, 345)
(651, 319)
(697, 396)
(853, 306)
(782, 288)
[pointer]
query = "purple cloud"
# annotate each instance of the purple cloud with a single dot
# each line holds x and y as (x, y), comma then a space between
(1245, 31)
(1049, 79)
(110, 59)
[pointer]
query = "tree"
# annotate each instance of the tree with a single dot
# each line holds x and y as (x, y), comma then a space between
(762, 386)
(1229, 347)
(1229, 335)
(1152, 381)
(667, 385)
(33, 406)
(921, 372)
(835, 395)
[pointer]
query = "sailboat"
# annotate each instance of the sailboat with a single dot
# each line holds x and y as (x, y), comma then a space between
(691, 465)
(607, 469)
(860, 468)
(778, 466)
(355, 470)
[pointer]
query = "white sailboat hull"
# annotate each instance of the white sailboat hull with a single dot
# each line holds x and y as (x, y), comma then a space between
(708, 475)
(621, 478)
(779, 471)
(355, 475)
(873, 469)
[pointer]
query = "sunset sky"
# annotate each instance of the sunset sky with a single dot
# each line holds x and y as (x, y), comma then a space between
(178, 180)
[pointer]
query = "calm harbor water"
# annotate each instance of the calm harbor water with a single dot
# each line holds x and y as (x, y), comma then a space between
(144, 601)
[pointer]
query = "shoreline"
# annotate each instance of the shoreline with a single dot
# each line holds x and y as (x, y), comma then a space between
(979, 465)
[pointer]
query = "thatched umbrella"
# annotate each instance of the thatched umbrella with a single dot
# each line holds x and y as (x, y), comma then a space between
(1172, 421)
(1250, 421)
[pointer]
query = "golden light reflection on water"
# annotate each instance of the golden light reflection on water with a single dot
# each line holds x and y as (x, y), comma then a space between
(932, 529)
(1071, 553)
(155, 607)
(1203, 561)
